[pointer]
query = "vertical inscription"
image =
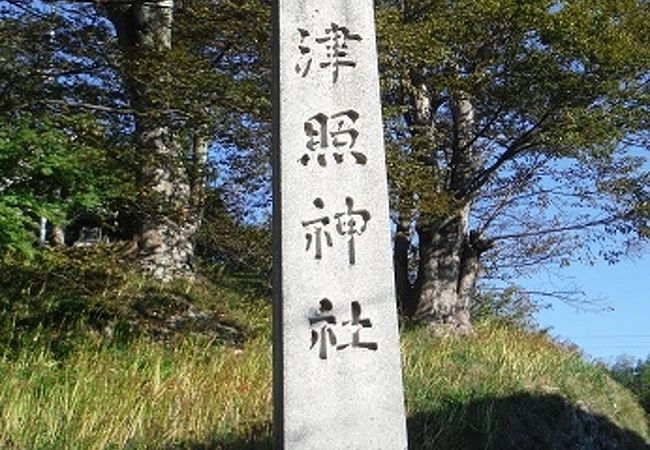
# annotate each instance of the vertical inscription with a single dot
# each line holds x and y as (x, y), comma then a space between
(337, 351)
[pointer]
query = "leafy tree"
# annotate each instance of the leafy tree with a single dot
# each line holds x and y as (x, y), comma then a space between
(232, 243)
(634, 376)
(516, 136)
(168, 80)
(48, 172)
(515, 131)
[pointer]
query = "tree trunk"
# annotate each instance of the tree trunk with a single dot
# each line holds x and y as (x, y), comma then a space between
(42, 233)
(403, 287)
(449, 255)
(144, 30)
(58, 236)
(439, 302)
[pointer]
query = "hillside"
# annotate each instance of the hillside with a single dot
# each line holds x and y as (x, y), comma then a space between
(209, 386)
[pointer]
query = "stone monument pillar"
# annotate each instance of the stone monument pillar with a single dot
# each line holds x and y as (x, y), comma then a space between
(337, 371)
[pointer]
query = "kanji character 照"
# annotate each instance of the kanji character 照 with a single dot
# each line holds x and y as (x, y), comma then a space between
(335, 134)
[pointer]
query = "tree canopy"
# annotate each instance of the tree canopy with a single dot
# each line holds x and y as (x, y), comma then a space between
(517, 133)
(518, 136)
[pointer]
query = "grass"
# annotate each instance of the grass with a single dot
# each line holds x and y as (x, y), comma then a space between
(145, 395)
(472, 387)
(194, 394)
(500, 389)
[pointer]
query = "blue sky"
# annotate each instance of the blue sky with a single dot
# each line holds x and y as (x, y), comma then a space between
(618, 324)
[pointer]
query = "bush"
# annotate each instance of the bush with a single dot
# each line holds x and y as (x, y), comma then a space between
(635, 376)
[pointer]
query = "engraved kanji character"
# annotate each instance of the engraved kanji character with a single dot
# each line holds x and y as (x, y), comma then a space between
(317, 231)
(350, 223)
(323, 333)
(303, 67)
(336, 43)
(335, 134)
(358, 324)
(316, 131)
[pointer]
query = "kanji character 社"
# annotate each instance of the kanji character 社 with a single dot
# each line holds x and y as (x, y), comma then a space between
(324, 333)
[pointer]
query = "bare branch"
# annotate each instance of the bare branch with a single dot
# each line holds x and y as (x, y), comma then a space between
(92, 107)
(112, 109)
(574, 227)
(517, 146)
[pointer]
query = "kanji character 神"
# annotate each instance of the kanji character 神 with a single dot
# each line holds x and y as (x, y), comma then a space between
(317, 231)
(350, 223)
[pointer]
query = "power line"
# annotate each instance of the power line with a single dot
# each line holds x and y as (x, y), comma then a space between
(609, 336)
(619, 347)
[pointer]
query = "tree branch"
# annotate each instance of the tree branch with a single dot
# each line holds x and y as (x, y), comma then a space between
(577, 226)
(516, 147)
(92, 107)
(112, 109)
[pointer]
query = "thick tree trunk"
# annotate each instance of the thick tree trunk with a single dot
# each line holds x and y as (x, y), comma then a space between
(449, 269)
(450, 255)
(169, 222)
(439, 302)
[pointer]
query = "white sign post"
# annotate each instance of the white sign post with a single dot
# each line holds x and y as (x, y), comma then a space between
(337, 371)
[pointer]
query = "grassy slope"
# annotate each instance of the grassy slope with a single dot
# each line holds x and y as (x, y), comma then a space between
(499, 389)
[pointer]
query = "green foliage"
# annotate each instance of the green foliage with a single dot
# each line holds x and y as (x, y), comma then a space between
(635, 377)
(510, 307)
(212, 85)
(227, 242)
(49, 171)
(56, 296)
(559, 136)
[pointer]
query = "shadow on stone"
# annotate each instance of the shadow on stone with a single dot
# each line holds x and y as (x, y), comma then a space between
(519, 422)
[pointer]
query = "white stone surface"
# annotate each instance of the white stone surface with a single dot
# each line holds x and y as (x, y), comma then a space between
(347, 394)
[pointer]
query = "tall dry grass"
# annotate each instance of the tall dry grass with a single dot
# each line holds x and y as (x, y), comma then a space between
(201, 395)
